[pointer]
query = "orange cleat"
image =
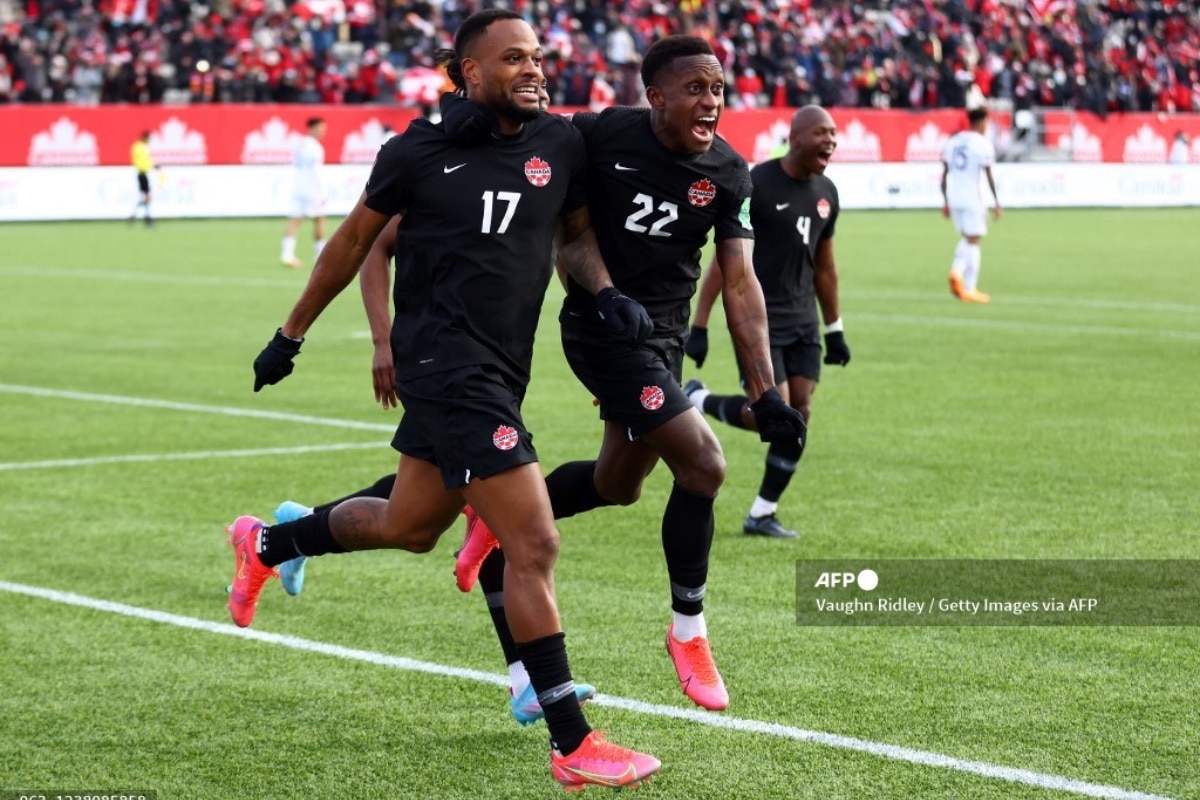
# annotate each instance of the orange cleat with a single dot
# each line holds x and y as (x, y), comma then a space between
(251, 573)
(976, 296)
(597, 762)
(956, 286)
(478, 544)
(698, 676)
(291, 263)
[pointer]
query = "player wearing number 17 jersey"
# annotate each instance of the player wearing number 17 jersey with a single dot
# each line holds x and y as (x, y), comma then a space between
(659, 180)
(473, 263)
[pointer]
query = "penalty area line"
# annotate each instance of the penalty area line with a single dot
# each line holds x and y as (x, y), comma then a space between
(921, 757)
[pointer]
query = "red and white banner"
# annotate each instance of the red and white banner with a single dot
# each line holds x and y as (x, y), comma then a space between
(60, 135)
(74, 136)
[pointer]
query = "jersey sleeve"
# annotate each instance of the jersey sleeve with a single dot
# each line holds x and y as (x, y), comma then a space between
(827, 233)
(387, 188)
(734, 221)
(584, 122)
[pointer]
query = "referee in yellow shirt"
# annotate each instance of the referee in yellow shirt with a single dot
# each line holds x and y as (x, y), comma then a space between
(143, 162)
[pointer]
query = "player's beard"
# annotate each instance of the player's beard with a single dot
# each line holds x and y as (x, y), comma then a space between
(505, 106)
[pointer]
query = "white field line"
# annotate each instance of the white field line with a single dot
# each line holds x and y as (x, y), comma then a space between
(229, 411)
(895, 752)
(967, 322)
(202, 455)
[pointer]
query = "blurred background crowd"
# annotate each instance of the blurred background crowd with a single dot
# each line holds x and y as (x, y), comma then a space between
(1103, 55)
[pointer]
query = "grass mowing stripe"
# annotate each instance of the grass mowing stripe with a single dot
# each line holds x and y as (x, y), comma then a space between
(201, 280)
(228, 411)
(895, 752)
(197, 456)
(959, 322)
(147, 277)
(1048, 302)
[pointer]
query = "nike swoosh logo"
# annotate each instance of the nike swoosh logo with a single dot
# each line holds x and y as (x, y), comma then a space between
(781, 206)
(622, 168)
(627, 775)
(241, 571)
(448, 170)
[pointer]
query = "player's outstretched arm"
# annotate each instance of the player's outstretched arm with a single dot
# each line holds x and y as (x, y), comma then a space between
(995, 197)
(746, 314)
(375, 282)
(335, 268)
(825, 283)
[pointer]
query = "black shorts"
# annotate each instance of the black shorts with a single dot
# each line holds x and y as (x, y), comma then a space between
(466, 421)
(143, 183)
(638, 387)
(798, 356)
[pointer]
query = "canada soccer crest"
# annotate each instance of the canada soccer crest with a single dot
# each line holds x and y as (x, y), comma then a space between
(823, 208)
(702, 192)
(537, 171)
(505, 437)
(652, 398)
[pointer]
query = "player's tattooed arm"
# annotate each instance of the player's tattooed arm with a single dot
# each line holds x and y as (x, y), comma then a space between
(746, 313)
(579, 252)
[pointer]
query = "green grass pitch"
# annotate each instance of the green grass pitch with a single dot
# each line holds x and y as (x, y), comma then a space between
(1059, 421)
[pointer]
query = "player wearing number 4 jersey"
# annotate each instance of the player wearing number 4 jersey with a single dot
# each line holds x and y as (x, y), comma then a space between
(473, 263)
(659, 180)
(794, 212)
(967, 158)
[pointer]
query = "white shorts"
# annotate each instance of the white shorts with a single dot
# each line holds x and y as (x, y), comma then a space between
(970, 221)
(306, 205)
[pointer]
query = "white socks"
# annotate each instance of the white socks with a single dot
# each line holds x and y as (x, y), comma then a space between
(973, 258)
(762, 508)
(686, 628)
(289, 248)
(959, 265)
(318, 246)
(518, 678)
(697, 398)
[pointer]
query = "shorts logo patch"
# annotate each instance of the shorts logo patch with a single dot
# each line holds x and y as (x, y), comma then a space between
(505, 437)
(652, 398)
(537, 171)
(702, 192)
(823, 208)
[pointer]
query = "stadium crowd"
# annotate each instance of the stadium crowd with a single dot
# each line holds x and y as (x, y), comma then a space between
(1100, 55)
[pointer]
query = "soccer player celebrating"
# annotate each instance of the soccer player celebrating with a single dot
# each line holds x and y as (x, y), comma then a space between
(659, 180)
(793, 211)
(474, 248)
(967, 157)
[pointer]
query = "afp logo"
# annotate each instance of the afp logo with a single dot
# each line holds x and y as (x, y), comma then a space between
(866, 580)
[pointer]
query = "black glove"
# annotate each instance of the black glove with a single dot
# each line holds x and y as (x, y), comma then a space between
(274, 363)
(467, 123)
(776, 420)
(696, 346)
(626, 316)
(836, 349)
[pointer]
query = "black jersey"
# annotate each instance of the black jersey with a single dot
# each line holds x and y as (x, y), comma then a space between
(473, 251)
(790, 218)
(653, 209)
